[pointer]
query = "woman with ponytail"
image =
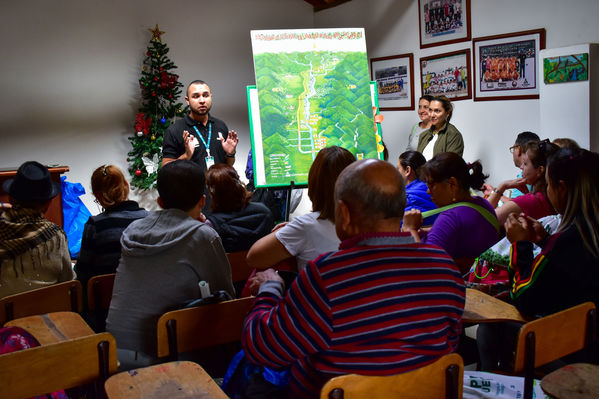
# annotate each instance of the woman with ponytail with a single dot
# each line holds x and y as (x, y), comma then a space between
(466, 225)
(566, 272)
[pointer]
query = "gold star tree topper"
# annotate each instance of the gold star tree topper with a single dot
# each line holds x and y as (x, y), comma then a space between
(156, 33)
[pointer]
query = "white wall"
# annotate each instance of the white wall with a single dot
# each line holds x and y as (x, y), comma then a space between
(488, 127)
(566, 107)
(70, 69)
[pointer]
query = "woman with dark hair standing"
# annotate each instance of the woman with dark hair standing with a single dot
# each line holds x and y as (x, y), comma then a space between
(424, 124)
(442, 135)
(466, 225)
(238, 222)
(307, 236)
(416, 190)
(101, 241)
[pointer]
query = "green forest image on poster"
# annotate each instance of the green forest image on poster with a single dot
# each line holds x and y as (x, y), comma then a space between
(310, 100)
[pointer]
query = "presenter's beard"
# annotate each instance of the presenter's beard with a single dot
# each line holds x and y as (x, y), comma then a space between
(200, 112)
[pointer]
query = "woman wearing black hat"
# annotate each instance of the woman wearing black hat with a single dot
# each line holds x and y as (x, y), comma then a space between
(33, 251)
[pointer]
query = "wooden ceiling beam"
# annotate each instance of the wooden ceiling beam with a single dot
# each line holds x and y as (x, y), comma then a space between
(324, 4)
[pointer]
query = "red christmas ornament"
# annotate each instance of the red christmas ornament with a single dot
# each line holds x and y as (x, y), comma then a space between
(147, 53)
(156, 79)
(142, 124)
(160, 69)
(138, 172)
(167, 80)
(153, 94)
(170, 96)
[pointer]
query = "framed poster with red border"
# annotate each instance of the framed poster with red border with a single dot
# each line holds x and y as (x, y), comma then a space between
(447, 75)
(506, 67)
(443, 22)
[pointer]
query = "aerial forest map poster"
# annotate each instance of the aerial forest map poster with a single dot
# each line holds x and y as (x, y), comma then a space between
(313, 91)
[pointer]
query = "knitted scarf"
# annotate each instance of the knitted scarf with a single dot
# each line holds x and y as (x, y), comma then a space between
(22, 229)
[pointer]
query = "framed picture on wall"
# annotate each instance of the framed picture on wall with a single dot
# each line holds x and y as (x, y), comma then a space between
(506, 66)
(443, 22)
(394, 76)
(447, 74)
(566, 68)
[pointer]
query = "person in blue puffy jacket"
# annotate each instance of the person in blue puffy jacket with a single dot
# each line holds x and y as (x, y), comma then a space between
(416, 190)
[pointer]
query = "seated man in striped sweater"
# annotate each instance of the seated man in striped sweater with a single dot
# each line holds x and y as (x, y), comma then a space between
(380, 305)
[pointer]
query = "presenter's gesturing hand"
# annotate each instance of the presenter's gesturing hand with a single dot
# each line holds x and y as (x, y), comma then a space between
(189, 144)
(230, 143)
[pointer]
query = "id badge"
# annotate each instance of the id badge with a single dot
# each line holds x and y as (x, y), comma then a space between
(209, 162)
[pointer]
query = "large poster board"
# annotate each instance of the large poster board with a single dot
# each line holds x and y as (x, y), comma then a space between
(312, 91)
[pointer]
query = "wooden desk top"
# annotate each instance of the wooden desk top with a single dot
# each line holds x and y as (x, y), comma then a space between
(482, 308)
(173, 380)
(54, 327)
(575, 381)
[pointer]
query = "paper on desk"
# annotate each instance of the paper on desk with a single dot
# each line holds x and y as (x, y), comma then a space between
(483, 385)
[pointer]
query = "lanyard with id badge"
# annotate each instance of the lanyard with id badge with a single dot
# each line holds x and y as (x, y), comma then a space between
(209, 158)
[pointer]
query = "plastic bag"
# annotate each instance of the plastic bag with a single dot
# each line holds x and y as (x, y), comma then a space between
(246, 380)
(75, 214)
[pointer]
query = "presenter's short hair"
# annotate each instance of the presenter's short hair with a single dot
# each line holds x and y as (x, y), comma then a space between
(195, 82)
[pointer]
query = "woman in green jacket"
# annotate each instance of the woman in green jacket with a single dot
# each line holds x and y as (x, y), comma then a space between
(442, 136)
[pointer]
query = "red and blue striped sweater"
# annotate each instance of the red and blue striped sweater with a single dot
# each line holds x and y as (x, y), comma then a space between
(379, 306)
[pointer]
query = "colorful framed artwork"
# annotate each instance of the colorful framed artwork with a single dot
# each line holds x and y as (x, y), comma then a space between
(394, 76)
(447, 74)
(506, 66)
(566, 68)
(443, 22)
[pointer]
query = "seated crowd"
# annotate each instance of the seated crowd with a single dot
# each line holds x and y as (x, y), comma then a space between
(382, 260)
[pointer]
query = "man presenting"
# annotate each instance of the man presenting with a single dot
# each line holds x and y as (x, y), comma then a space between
(199, 136)
(380, 305)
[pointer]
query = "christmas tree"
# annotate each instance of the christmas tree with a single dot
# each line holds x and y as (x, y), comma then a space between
(160, 89)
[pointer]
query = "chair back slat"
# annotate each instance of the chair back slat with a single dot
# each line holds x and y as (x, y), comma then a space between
(240, 269)
(430, 381)
(204, 326)
(59, 297)
(48, 368)
(99, 291)
(555, 336)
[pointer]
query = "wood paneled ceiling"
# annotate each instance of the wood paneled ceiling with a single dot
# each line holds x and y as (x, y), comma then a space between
(323, 4)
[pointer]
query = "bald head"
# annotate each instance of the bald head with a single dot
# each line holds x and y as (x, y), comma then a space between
(374, 193)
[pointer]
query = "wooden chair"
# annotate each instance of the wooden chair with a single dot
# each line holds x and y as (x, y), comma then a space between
(51, 328)
(552, 337)
(48, 368)
(441, 379)
(167, 380)
(99, 295)
(205, 326)
(240, 269)
(99, 291)
(54, 298)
